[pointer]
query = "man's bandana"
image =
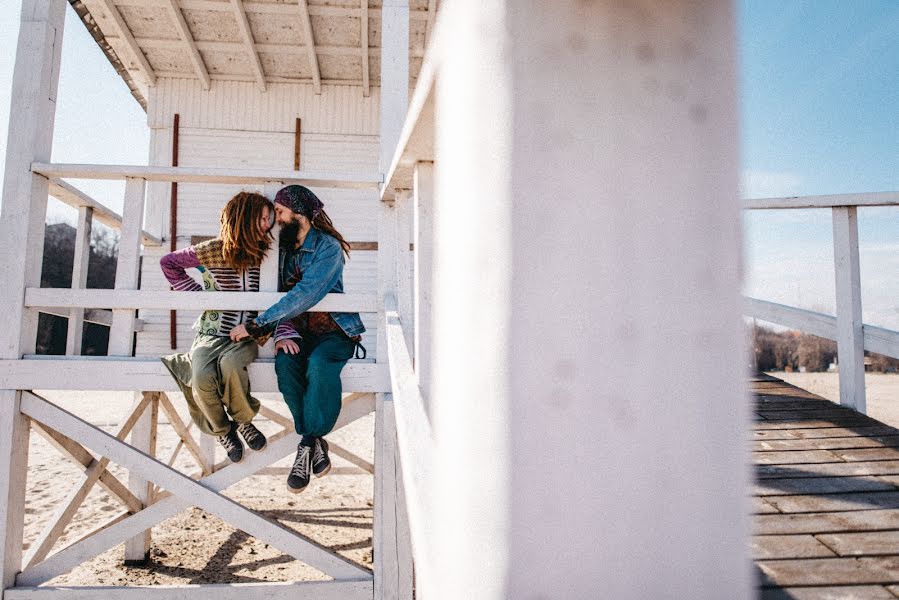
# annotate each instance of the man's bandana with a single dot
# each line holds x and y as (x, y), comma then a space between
(300, 200)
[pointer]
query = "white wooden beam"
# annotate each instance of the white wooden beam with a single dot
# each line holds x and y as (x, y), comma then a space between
(121, 332)
(24, 205)
(189, 43)
(310, 45)
(320, 590)
(394, 76)
(143, 438)
(69, 506)
(81, 457)
(79, 277)
(415, 438)
(127, 38)
(850, 335)
(828, 201)
(391, 546)
(363, 24)
(14, 434)
(73, 555)
(166, 299)
(266, 48)
(207, 175)
(423, 269)
(148, 373)
(249, 43)
(193, 492)
(68, 194)
(405, 270)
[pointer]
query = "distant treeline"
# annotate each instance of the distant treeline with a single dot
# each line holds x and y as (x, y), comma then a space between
(792, 350)
(59, 256)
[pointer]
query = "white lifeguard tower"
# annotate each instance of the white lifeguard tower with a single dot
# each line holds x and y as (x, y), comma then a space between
(558, 193)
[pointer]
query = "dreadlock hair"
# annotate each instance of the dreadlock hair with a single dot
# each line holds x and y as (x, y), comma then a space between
(244, 241)
(322, 222)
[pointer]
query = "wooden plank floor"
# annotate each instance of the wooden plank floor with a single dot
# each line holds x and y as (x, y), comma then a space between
(826, 498)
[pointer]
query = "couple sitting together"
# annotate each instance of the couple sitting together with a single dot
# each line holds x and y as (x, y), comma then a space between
(311, 347)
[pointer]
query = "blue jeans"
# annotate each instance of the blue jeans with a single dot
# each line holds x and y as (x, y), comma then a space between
(310, 381)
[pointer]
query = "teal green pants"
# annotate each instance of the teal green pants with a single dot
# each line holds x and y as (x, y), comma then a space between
(310, 381)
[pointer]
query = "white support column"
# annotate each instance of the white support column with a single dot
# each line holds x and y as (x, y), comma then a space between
(850, 337)
(387, 282)
(14, 433)
(423, 236)
(143, 437)
(24, 207)
(586, 304)
(24, 211)
(268, 275)
(391, 543)
(394, 75)
(208, 445)
(121, 333)
(79, 277)
(404, 264)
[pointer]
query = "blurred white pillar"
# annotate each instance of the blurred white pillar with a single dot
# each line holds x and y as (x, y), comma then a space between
(588, 397)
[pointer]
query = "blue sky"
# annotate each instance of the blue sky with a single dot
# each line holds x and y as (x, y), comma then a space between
(819, 115)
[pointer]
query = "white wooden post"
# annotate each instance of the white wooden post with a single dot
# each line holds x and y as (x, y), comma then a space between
(79, 277)
(387, 276)
(24, 211)
(394, 75)
(391, 542)
(208, 445)
(423, 236)
(392, 569)
(268, 275)
(586, 304)
(850, 336)
(24, 208)
(404, 264)
(143, 437)
(121, 332)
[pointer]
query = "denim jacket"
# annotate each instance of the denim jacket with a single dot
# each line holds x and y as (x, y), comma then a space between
(320, 264)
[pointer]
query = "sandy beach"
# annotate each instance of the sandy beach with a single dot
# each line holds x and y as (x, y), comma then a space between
(881, 391)
(196, 547)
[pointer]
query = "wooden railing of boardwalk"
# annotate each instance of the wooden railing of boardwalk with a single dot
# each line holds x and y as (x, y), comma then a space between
(852, 336)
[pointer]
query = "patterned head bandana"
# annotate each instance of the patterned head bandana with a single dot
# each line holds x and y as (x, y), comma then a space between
(300, 200)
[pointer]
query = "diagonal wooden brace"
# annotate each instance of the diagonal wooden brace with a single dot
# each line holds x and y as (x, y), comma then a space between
(203, 494)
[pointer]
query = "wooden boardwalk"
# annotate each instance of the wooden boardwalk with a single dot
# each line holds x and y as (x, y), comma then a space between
(826, 498)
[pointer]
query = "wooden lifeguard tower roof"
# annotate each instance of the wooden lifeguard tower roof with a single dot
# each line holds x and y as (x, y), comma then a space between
(266, 41)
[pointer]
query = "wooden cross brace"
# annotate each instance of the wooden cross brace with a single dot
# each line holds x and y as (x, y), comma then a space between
(204, 494)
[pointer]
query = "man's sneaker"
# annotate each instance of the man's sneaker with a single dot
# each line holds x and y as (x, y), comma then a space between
(252, 436)
(321, 464)
(299, 474)
(231, 443)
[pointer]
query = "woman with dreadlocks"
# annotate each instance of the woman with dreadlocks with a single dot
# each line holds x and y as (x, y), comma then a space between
(312, 348)
(213, 375)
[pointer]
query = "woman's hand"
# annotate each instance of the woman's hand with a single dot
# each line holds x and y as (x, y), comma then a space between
(289, 346)
(239, 333)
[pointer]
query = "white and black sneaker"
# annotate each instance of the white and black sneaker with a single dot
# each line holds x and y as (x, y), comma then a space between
(321, 464)
(252, 436)
(299, 473)
(231, 443)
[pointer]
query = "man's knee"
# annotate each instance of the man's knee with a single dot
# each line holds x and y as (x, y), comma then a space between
(286, 364)
(232, 363)
(205, 380)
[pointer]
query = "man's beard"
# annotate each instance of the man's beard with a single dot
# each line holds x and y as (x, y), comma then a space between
(289, 232)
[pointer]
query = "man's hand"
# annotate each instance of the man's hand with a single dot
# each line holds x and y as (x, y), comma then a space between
(239, 333)
(289, 346)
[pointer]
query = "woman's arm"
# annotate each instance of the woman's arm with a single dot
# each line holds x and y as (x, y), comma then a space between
(174, 265)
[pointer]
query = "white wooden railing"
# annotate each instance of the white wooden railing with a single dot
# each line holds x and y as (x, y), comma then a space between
(846, 328)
